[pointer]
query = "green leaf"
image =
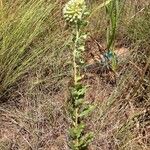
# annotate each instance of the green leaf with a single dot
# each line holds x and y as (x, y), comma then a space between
(81, 48)
(78, 94)
(81, 92)
(79, 102)
(86, 139)
(76, 132)
(78, 91)
(71, 133)
(79, 78)
(86, 111)
(79, 130)
(83, 36)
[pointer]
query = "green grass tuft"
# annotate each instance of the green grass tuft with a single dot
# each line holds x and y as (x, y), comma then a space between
(25, 37)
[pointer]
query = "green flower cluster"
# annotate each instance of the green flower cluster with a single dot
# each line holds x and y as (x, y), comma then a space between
(74, 11)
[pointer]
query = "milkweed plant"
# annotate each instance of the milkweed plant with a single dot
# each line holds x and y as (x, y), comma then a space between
(75, 13)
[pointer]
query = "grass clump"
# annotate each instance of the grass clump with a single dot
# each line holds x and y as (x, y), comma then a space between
(21, 24)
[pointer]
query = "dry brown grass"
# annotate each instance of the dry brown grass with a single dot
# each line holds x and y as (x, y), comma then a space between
(34, 116)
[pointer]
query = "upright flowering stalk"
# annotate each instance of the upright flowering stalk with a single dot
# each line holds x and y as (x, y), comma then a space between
(75, 13)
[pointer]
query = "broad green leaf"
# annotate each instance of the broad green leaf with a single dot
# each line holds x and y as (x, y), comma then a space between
(86, 111)
(79, 78)
(81, 48)
(79, 130)
(86, 139)
(76, 132)
(79, 102)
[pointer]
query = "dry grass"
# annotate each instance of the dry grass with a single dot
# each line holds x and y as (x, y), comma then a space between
(34, 113)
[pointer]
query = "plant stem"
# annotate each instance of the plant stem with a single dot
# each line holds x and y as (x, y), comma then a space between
(1, 3)
(1, 8)
(74, 54)
(75, 67)
(76, 125)
(75, 75)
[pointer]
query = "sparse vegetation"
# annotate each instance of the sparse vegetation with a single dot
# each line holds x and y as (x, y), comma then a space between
(36, 71)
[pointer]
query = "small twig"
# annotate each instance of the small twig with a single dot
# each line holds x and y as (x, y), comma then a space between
(104, 4)
(137, 13)
(139, 69)
(142, 77)
(145, 68)
(100, 47)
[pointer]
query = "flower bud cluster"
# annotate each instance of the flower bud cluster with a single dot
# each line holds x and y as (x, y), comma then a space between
(74, 11)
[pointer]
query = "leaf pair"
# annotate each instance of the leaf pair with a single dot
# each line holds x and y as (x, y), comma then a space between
(78, 91)
(83, 140)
